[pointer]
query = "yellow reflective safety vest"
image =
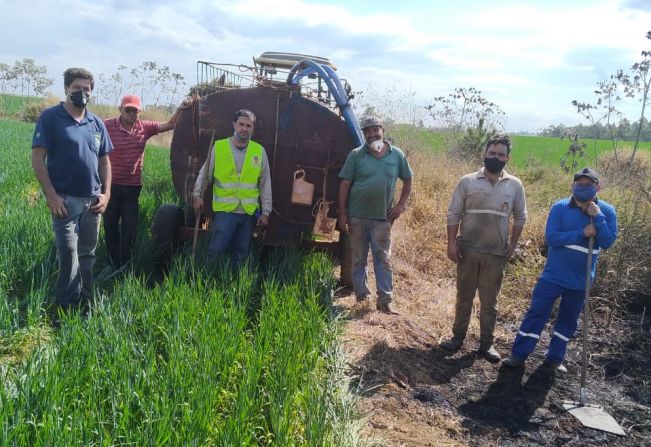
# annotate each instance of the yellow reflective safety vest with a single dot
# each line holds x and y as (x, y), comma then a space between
(230, 190)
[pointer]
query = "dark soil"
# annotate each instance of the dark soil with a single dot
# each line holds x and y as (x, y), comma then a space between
(413, 393)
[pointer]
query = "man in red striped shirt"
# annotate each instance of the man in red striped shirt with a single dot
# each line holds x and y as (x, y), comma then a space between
(129, 135)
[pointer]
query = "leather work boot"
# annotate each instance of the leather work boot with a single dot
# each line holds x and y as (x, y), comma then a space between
(361, 298)
(386, 307)
(490, 354)
(555, 366)
(452, 345)
(513, 362)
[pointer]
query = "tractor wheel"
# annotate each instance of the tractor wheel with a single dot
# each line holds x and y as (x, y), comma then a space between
(165, 228)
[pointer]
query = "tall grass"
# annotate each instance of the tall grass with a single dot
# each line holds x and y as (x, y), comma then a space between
(26, 251)
(184, 363)
(203, 356)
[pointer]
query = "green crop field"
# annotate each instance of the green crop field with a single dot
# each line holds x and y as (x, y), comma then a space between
(12, 105)
(528, 149)
(200, 357)
(549, 150)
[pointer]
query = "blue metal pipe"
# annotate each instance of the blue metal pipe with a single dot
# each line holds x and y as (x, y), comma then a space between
(307, 67)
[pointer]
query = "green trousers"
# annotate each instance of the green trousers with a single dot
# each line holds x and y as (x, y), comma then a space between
(484, 273)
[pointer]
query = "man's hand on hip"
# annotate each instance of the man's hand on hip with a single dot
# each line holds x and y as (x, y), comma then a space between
(102, 203)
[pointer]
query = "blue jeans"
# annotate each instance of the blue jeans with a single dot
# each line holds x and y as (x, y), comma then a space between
(76, 240)
(542, 300)
(376, 234)
(232, 232)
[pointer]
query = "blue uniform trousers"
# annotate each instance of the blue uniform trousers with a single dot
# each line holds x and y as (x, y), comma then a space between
(542, 300)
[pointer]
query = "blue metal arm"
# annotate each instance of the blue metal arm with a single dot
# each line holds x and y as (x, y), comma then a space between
(307, 67)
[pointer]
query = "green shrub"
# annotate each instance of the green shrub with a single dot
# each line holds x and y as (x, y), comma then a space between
(32, 111)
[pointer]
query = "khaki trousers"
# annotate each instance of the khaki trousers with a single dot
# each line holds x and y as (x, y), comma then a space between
(484, 273)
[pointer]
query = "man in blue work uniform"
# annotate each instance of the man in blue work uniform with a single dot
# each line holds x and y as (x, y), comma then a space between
(70, 159)
(570, 225)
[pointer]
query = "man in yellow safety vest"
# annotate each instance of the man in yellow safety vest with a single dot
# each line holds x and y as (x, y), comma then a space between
(241, 198)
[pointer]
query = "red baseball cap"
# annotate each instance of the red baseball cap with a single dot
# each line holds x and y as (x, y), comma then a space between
(131, 101)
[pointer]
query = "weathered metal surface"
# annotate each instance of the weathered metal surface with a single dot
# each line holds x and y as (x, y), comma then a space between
(297, 133)
(594, 417)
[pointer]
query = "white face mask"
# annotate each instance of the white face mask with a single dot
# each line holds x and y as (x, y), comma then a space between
(377, 145)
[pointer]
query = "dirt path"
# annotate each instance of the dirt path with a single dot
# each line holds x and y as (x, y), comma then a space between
(411, 393)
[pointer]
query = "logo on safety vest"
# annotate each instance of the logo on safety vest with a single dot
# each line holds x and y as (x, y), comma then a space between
(255, 161)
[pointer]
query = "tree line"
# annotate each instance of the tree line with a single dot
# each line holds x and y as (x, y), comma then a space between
(625, 130)
(157, 85)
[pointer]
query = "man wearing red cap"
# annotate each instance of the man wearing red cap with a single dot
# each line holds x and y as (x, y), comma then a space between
(129, 135)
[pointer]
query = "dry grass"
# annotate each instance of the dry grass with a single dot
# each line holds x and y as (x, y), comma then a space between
(395, 357)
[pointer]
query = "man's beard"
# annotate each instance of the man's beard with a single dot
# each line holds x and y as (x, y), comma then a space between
(241, 138)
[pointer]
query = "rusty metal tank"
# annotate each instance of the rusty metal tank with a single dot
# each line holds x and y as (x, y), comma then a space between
(304, 122)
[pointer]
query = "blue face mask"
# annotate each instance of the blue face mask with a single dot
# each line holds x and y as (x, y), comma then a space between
(584, 193)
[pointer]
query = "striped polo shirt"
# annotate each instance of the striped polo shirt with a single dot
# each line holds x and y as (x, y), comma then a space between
(129, 150)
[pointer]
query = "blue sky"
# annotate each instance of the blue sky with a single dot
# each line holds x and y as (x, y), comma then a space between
(531, 58)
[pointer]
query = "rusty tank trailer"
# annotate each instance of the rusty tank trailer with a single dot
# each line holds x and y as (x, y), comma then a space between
(306, 125)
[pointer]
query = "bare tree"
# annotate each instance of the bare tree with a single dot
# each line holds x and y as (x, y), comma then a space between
(469, 117)
(637, 84)
(32, 77)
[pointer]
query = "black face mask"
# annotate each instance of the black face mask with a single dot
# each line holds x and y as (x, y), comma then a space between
(79, 99)
(494, 165)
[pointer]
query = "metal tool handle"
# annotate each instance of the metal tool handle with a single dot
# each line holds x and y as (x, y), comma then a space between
(586, 316)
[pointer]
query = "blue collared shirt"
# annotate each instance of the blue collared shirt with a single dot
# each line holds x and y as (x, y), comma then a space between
(568, 248)
(73, 150)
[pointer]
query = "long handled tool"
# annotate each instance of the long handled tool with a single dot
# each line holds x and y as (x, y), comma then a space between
(197, 217)
(592, 416)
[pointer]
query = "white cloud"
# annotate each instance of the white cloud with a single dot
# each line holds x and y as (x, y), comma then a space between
(523, 54)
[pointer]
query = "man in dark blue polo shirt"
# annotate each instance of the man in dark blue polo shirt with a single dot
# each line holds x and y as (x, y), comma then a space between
(366, 210)
(70, 151)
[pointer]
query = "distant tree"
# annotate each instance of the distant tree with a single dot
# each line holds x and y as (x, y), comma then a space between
(637, 84)
(157, 85)
(8, 85)
(469, 117)
(24, 78)
(32, 77)
(598, 113)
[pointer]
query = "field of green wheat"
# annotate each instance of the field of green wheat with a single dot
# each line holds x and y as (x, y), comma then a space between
(200, 356)
(528, 150)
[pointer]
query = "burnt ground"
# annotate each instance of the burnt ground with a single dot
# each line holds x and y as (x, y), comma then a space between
(412, 393)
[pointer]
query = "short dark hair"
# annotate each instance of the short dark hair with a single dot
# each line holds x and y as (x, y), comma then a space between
(244, 112)
(73, 73)
(500, 139)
